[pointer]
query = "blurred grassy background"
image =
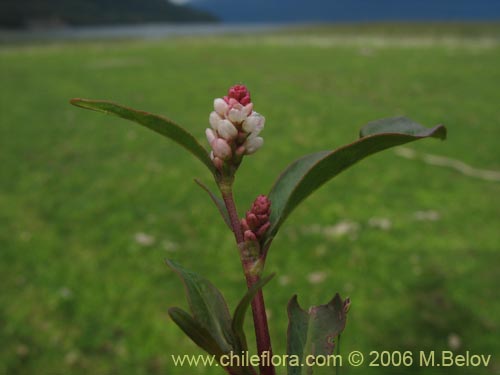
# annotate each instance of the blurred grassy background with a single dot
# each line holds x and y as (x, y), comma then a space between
(91, 205)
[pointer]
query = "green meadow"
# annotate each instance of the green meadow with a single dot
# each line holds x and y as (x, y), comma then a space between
(92, 205)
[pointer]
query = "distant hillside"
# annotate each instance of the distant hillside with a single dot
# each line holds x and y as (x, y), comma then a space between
(351, 10)
(47, 13)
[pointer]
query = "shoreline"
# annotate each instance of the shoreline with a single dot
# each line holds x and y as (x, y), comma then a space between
(148, 31)
(160, 31)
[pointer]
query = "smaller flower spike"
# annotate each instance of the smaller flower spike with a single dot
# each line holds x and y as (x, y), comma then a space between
(256, 221)
(234, 129)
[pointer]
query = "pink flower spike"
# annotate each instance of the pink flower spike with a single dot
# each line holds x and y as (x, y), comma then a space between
(256, 220)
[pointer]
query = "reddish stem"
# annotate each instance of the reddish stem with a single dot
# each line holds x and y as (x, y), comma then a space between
(258, 307)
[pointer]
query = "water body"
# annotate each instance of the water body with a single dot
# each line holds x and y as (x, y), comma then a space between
(147, 31)
(351, 10)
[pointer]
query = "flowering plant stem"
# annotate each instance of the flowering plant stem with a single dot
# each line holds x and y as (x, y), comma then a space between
(258, 306)
(234, 133)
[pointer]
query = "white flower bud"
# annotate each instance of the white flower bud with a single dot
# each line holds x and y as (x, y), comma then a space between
(248, 108)
(220, 107)
(221, 149)
(214, 120)
(210, 135)
(254, 123)
(252, 144)
(227, 130)
(237, 114)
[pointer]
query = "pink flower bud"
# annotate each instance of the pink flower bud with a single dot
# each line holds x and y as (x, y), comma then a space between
(214, 120)
(244, 225)
(218, 162)
(232, 102)
(210, 135)
(249, 236)
(240, 93)
(245, 100)
(240, 151)
(227, 130)
(248, 109)
(263, 229)
(252, 144)
(261, 205)
(252, 220)
(254, 123)
(262, 218)
(221, 148)
(220, 106)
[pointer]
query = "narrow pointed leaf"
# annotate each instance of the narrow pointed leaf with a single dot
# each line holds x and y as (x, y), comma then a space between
(204, 339)
(314, 333)
(241, 309)
(219, 203)
(308, 173)
(195, 331)
(159, 124)
(207, 306)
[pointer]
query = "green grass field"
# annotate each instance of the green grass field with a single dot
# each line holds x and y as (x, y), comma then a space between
(90, 205)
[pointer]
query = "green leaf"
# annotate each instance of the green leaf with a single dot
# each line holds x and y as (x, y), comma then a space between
(314, 332)
(218, 202)
(207, 306)
(195, 331)
(298, 321)
(308, 173)
(401, 125)
(241, 309)
(210, 325)
(159, 124)
(204, 339)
